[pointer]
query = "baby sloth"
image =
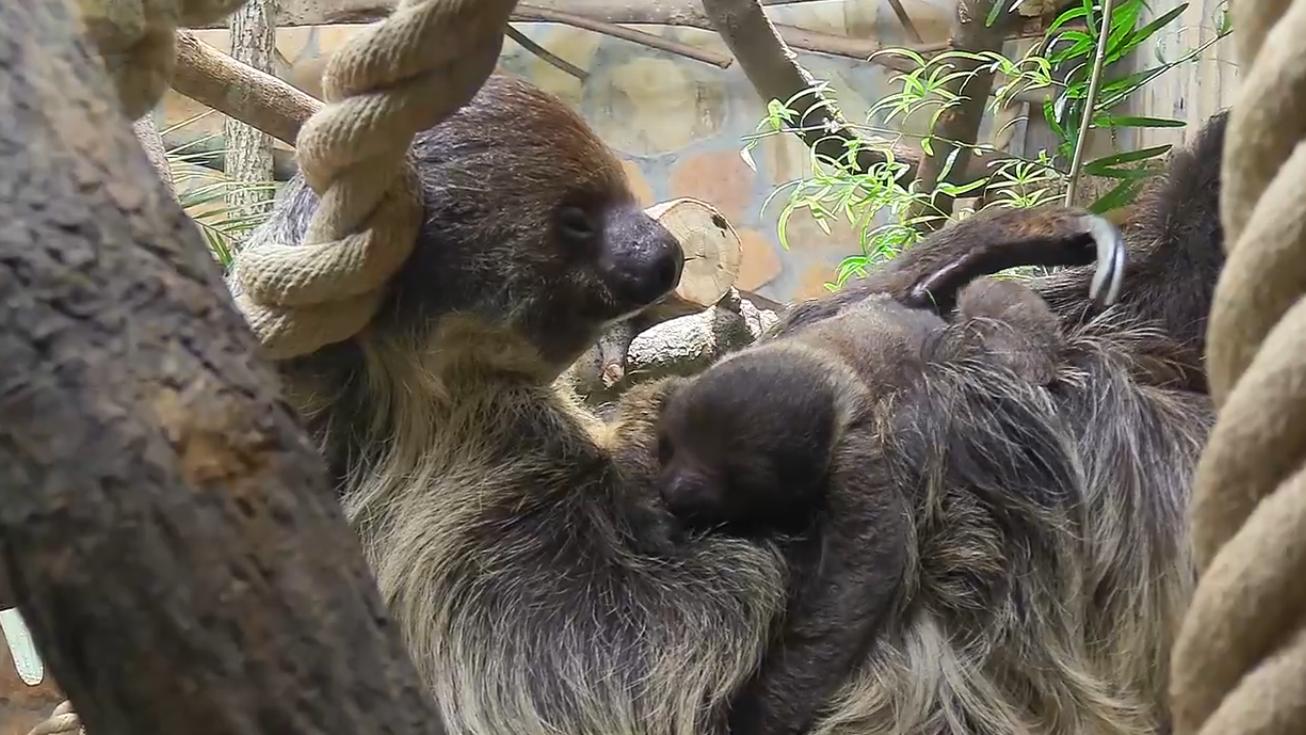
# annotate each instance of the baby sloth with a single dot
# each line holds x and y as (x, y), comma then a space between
(782, 440)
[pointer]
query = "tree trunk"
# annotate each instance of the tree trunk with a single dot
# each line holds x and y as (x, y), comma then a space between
(249, 150)
(957, 128)
(167, 528)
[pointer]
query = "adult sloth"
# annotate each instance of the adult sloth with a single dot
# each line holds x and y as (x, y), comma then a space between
(515, 539)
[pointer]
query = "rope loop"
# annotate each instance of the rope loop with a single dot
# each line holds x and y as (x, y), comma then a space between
(390, 82)
(62, 721)
(137, 40)
(387, 84)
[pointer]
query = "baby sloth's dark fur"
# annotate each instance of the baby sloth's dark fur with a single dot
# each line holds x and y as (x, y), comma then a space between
(1045, 563)
(783, 438)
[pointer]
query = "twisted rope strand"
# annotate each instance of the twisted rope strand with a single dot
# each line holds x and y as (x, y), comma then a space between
(1239, 663)
(389, 83)
(137, 40)
(62, 720)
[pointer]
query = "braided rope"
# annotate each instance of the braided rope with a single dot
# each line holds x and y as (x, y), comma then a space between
(61, 721)
(137, 40)
(1239, 664)
(389, 83)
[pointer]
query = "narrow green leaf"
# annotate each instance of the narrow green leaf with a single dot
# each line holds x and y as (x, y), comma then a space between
(1130, 121)
(1127, 157)
(994, 11)
(1120, 195)
(1065, 18)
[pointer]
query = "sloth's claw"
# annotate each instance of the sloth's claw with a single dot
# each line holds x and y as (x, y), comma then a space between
(1109, 270)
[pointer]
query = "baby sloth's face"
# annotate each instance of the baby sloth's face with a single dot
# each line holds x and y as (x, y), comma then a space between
(747, 444)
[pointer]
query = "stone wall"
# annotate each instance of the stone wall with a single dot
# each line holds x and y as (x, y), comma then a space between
(678, 123)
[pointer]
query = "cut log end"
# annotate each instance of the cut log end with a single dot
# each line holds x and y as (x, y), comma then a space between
(712, 255)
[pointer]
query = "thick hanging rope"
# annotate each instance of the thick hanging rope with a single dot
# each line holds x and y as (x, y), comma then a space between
(389, 83)
(62, 721)
(1240, 661)
(137, 40)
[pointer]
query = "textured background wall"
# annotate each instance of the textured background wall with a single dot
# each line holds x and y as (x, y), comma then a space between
(678, 123)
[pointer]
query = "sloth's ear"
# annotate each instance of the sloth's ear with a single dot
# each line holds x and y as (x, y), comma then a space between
(943, 264)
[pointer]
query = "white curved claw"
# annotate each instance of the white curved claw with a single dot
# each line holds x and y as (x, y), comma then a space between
(1109, 269)
(28, 662)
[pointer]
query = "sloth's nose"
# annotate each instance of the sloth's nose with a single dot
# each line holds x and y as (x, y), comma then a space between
(644, 260)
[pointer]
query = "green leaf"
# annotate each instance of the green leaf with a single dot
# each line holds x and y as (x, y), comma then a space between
(914, 56)
(747, 154)
(1127, 157)
(1050, 117)
(1128, 121)
(1120, 195)
(1156, 24)
(954, 190)
(1065, 18)
(1142, 34)
(1128, 174)
(994, 11)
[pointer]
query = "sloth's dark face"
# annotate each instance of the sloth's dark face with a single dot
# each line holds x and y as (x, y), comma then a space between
(748, 442)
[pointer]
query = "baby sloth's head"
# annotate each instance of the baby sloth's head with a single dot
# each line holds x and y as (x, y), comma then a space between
(747, 444)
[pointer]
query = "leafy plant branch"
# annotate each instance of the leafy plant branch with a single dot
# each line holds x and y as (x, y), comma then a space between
(1087, 45)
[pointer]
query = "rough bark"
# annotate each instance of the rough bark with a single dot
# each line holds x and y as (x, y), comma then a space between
(957, 128)
(165, 524)
(249, 150)
(148, 134)
(214, 155)
(213, 78)
(602, 16)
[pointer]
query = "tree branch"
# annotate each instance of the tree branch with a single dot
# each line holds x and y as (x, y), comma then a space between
(248, 162)
(775, 73)
(646, 12)
(957, 127)
(906, 21)
(549, 57)
(530, 12)
(639, 351)
(168, 529)
(255, 98)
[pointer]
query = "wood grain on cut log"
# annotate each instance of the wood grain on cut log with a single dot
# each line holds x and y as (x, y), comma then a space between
(713, 253)
(166, 525)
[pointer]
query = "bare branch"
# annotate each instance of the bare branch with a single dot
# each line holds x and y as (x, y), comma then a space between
(530, 12)
(249, 150)
(776, 74)
(906, 21)
(647, 12)
(148, 135)
(255, 98)
(680, 346)
(549, 57)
